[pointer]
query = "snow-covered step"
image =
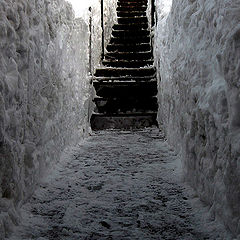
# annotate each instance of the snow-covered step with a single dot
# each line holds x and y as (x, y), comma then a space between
(129, 56)
(124, 121)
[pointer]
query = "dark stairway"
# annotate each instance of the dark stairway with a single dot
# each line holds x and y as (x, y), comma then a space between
(126, 85)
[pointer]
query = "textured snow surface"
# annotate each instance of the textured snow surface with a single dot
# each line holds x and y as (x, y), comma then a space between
(117, 185)
(198, 56)
(44, 94)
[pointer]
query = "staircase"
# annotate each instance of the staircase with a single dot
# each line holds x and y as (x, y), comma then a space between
(126, 83)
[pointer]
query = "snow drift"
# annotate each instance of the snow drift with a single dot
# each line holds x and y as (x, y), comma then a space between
(44, 94)
(197, 50)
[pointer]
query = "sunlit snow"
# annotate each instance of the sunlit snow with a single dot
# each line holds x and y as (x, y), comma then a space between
(80, 7)
(166, 6)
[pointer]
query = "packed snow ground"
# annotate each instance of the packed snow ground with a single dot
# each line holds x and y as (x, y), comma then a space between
(117, 185)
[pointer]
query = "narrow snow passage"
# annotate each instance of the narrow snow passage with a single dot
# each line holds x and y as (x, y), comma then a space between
(116, 185)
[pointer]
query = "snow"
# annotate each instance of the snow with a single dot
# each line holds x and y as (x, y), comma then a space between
(81, 7)
(197, 57)
(117, 185)
(44, 95)
(45, 99)
(45, 92)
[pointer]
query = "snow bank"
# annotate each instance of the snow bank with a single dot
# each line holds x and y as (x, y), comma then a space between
(198, 58)
(44, 94)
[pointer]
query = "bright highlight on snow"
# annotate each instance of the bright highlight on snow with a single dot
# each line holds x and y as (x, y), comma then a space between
(166, 6)
(80, 7)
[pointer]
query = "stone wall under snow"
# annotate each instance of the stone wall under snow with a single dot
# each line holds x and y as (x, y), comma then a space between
(44, 94)
(198, 57)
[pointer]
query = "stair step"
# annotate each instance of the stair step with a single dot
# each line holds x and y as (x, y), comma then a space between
(129, 56)
(123, 121)
(136, 40)
(126, 20)
(130, 26)
(132, 37)
(131, 13)
(126, 104)
(131, 72)
(126, 88)
(131, 8)
(130, 33)
(128, 64)
(129, 47)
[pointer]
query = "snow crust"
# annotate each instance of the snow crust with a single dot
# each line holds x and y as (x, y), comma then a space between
(44, 94)
(197, 50)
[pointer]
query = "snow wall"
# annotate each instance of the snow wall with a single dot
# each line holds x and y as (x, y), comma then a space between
(44, 94)
(197, 50)
(110, 18)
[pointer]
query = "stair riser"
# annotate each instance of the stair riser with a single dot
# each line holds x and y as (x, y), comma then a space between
(141, 20)
(125, 105)
(135, 27)
(131, 14)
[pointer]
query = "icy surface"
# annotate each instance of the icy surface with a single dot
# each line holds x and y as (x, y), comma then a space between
(44, 94)
(117, 185)
(198, 56)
